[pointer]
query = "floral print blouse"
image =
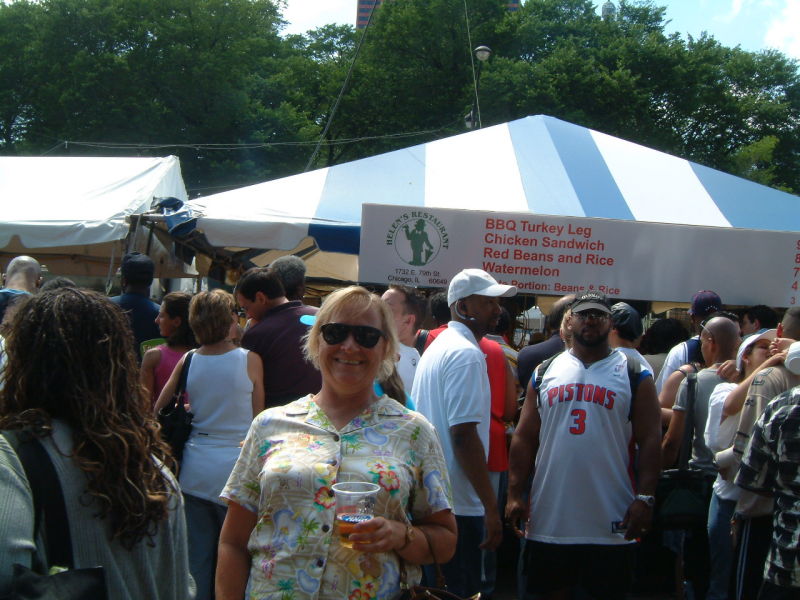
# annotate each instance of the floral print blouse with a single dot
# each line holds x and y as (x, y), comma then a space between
(292, 456)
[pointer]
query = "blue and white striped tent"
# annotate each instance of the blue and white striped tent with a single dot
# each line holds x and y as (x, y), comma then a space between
(537, 164)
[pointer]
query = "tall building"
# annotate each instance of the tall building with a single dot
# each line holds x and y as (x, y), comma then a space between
(365, 8)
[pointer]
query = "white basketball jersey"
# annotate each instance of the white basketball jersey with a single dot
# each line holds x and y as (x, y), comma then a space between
(583, 481)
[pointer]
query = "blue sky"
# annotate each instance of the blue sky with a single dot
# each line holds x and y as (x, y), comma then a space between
(752, 24)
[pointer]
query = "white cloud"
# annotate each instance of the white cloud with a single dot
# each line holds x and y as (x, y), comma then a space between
(733, 12)
(783, 32)
(303, 15)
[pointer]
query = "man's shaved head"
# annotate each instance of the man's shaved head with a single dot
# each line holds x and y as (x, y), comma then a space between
(725, 334)
(23, 273)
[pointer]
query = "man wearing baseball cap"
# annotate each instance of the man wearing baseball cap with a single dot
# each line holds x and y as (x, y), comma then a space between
(626, 333)
(704, 304)
(137, 271)
(571, 452)
(451, 388)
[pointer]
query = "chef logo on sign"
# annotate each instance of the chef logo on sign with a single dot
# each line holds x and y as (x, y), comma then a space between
(417, 237)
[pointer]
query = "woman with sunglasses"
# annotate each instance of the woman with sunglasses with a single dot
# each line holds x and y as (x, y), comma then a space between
(278, 537)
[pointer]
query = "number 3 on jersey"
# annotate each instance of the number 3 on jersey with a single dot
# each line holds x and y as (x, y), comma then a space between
(579, 422)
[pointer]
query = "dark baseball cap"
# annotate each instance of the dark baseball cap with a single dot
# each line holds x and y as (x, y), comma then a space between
(626, 320)
(704, 303)
(137, 267)
(591, 300)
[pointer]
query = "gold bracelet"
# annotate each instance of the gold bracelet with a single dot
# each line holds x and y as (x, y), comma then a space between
(410, 533)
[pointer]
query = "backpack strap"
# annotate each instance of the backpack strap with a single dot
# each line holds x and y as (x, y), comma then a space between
(693, 353)
(634, 375)
(48, 498)
(542, 369)
(688, 430)
(419, 343)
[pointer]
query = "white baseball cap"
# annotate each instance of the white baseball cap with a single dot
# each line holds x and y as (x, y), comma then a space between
(764, 334)
(792, 361)
(479, 282)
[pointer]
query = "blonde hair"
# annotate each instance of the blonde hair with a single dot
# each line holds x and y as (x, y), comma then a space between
(565, 332)
(211, 315)
(359, 300)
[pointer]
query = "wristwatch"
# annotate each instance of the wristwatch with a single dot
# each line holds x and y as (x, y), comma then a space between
(410, 533)
(650, 501)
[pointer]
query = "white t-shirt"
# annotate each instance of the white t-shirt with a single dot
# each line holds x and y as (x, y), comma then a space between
(582, 482)
(677, 357)
(407, 366)
(451, 387)
(719, 436)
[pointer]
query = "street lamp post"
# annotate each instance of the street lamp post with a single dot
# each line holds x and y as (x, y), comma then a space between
(473, 117)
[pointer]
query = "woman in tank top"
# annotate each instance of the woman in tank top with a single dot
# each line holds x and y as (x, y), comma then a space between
(173, 324)
(226, 391)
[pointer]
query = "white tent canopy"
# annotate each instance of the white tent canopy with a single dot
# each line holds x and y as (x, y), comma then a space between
(71, 212)
(538, 164)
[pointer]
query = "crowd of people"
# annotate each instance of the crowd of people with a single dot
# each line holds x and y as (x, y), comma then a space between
(469, 440)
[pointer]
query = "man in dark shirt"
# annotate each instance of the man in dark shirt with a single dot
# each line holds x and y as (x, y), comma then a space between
(532, 356)
(137, 275)
(277, 336)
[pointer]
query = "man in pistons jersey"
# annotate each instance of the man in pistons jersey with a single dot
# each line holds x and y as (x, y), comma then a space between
(580, 420)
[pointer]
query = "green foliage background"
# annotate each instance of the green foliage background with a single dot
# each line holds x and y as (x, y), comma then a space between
(216, 83)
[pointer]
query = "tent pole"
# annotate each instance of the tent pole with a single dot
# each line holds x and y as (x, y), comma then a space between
(130, 239)
(111, 269)
(151, 227)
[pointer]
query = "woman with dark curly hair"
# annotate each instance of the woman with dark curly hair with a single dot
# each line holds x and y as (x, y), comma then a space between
(71, 379)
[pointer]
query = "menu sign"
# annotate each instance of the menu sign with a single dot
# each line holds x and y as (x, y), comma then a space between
(542, 254)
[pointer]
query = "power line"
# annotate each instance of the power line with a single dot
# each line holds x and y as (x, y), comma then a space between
(472, 63)
(246, 146)
(341, 91)
(56, 147)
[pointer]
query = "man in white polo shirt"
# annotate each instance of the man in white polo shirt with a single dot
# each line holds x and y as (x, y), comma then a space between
(451, 388)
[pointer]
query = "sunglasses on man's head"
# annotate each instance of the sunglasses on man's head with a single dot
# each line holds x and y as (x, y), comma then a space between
(364, 335)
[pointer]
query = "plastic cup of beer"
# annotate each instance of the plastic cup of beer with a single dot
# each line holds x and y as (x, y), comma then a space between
(355, 503)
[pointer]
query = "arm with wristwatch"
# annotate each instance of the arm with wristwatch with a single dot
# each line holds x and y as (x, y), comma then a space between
(645, 419)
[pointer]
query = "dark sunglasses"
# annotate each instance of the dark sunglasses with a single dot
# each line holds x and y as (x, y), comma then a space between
(585, 315)
(364, 335)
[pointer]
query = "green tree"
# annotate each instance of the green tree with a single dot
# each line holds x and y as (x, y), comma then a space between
(150, 72)
(173, 76)
(19, 24)
(413, 74)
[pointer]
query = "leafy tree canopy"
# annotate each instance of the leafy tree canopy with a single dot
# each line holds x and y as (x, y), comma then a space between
(175, 76)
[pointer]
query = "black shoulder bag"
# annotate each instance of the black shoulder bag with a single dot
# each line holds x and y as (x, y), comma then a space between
(683, 494)
(175, 420)
(48, 505)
